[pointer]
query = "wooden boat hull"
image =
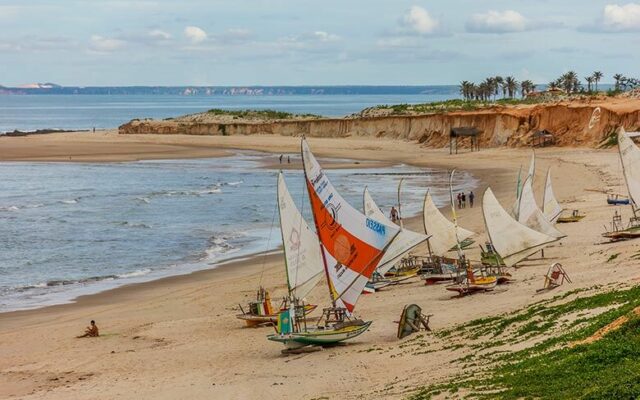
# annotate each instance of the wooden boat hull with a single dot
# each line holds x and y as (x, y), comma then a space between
(626, 234)
(372, 287)
(480, 285)
(320, 337)
(566, 220)
(253, 320)
(432, 279)
(618, 202)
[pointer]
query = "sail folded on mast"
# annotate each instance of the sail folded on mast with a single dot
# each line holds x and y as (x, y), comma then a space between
(512, 240)
(442, 231)
(630, 157)
(301, 246)
(530, 215)
(352, 244)
(404, 242)
(550, 206)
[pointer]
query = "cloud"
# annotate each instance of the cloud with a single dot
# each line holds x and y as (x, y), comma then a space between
(158, 34)
(102, 44)
(417, 20)
(497, 22)
(323, 36)
(617, 18)
(195, 34)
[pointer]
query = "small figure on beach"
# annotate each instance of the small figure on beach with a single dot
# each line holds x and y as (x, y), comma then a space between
(471, 197)
(90, 331)
(394, 215)
(459, 200)
(288, 160)
(281, 158)
(464, 200)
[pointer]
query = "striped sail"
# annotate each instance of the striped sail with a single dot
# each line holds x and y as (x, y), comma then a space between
(512, 240)
(352, 244)
(442, 231)
(301, 245)
(550, 206)
(403, 243)
(530, 215)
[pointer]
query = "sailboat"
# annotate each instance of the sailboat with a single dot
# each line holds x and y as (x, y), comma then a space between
(404, 242)
(630, 157)
(550, 206)
(303, 264)
(443, 237)
(351, 245)
(512, 240)
(470, 283)
(530, 214)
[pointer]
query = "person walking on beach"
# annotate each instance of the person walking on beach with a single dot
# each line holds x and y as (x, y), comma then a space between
(459, 200)
(280, 158)
(90, 331)
(288, 159)
(394, 215)
(471, 197)
(464, 200)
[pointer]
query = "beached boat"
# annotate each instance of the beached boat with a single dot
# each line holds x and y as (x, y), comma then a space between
(630, 157)
(394, 264)
(351, 245)
(442, 232)
(303, 264)
(574, 217)
(512, 241)
(617, 200)
(529, 213)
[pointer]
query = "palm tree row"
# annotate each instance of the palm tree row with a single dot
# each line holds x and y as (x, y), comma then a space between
(493, 86)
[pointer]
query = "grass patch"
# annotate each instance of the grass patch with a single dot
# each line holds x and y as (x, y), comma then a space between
(453, 105)
(549, 369)
(613, 257)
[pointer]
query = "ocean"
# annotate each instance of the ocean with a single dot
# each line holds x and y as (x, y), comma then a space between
(84, 112)
(69, 229)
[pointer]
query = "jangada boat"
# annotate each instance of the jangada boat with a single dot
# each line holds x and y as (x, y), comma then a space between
(303, 263)
(630, 157)
(351, 246)
(574, 217)
(472, 283)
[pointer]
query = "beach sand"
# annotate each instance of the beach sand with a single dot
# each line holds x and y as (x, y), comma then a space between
(178, 338)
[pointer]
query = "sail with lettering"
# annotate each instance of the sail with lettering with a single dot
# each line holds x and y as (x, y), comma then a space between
(550, 206)
(630, 157)
(512, 240)
(403, 243)
(352, 244)
(442, 231)
(530, 215)
(301, 246)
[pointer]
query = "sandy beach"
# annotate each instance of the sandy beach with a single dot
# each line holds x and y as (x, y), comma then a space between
(178, 338)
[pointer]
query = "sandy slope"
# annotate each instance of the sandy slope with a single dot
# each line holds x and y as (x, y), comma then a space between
(177, 337)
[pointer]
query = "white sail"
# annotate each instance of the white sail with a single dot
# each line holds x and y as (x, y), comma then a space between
(550, 206)
(352, 244)
(512, 240)
(532, 166)
(630, 157)
(403, 243)
(301, 246)
(530, 215)
(442, 231)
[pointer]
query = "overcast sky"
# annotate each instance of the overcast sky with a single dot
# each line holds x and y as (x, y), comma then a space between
(300, 42)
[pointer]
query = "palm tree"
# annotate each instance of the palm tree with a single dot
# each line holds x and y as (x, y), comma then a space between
(589, 80)
(512, 86)
(498, 83)
(527, 87)
(619, 78)
(597, 75)
(464, 89)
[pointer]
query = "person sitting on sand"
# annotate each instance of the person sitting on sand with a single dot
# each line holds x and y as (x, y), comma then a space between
(91, 331)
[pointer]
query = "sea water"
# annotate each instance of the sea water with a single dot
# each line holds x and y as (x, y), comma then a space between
(85, 112)
(68, 229)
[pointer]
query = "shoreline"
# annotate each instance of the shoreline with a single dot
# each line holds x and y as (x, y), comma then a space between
(169, 337)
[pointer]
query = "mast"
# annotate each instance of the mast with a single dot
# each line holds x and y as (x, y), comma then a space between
(400, 203)
(424, 224)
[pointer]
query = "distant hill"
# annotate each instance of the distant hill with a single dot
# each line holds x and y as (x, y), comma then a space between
(51, 88)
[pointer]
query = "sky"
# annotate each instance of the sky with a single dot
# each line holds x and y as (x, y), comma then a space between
(304, 42)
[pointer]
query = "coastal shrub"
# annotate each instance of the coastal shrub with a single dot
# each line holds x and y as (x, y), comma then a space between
(261, 114)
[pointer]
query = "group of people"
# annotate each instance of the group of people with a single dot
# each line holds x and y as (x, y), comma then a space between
(462, 199)
(288, 159)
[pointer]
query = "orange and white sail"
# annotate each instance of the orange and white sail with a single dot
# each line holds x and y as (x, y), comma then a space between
(403, 243)
(352, 244)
